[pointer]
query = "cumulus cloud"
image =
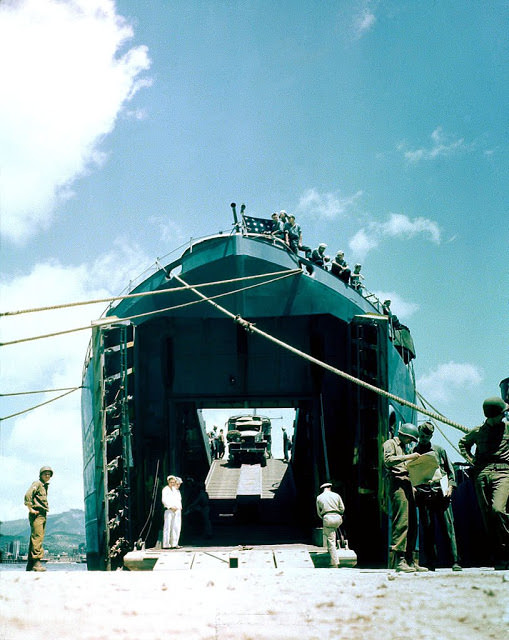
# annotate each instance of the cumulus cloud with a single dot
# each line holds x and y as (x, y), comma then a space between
(51, 434)
(397, 226)
(402, 308)
(67, 79)
(441, 145)
(326, 205)
(445, 382)
(364, 19)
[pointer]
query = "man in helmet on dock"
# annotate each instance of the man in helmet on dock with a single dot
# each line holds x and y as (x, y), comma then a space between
(36, 500)
(491, 473)
(404, 511)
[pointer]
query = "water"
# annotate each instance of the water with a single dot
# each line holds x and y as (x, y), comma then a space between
(50, 566)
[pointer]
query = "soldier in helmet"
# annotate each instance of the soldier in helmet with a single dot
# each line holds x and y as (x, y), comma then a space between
(36, 500)
(491, 469)
(434, 502)
(403, 509)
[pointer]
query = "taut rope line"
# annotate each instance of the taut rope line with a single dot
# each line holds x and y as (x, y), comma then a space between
(18, 413)
(251, 328)
(142, 294)
(113, 320)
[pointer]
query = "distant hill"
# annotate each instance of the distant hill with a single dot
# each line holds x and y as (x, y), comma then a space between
(64, 531)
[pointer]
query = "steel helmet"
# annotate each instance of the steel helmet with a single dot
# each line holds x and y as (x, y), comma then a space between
(494, 406)
(409, 430)
(43, 469)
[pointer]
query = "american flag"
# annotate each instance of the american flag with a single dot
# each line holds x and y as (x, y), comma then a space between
(257, 225)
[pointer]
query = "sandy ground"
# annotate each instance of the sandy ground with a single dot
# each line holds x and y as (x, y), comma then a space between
(247, 604)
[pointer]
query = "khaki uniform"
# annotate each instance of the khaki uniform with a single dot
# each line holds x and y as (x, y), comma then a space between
(403, 509)
(330, 508)
(491, 469)
(433, 506)
(36, 498)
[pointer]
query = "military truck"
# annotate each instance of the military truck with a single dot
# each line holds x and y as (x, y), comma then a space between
(248, 439)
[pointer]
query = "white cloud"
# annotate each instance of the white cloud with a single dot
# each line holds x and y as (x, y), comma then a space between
(397, 226)
(67, 78)
(169, 231)
(364, 19)
(326, 205)
(443, 384)
(403, 309)
(442, 145)
(51, 434)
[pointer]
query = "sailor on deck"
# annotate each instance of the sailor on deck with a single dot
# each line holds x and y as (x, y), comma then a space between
(172, 502)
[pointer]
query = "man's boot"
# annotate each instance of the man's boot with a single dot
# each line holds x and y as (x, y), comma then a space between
(38, 566)
(412, 562)
(402, 565)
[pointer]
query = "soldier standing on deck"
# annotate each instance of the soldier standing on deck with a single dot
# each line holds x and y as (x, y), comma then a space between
(491, 469)
(404, 512)
(36, 500)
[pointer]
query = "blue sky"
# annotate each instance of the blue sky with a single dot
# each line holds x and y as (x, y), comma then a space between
(128, 127)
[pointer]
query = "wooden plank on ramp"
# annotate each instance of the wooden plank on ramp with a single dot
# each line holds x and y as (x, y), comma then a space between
(250, 482)
(174, 560)
(293, 558)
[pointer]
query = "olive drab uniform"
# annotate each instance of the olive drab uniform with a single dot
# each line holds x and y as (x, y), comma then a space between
(433, 505)
(491, 472)
(36, 499)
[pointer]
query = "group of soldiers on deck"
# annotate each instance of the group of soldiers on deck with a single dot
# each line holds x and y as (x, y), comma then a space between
(286, 229)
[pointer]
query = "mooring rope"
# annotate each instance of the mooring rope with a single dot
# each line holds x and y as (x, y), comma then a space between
(426, 402)
(251, 328)
(19, 413)
(114, 320)
(26, 393)
(141, 294)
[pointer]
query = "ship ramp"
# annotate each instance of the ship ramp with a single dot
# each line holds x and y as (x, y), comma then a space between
(271, 489)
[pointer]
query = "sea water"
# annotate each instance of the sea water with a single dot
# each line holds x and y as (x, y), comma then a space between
(50, 566)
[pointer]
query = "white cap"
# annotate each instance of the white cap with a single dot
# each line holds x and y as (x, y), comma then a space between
(325, 485)
(322, 244)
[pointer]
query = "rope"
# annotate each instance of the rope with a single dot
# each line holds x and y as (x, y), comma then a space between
(251, 328)
(137, 295)
(114, 320)
(39, 405)
(25, 393)
(424, 403)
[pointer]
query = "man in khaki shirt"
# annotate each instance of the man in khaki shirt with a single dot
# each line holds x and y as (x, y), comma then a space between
(36, 500)
(330, 508)
(403, 509)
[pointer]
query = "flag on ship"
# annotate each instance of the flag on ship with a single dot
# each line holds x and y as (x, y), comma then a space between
(257, 225)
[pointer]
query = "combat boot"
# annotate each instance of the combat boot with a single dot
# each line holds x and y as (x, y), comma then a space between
(402, 565)
(411, 559)
(38, 566)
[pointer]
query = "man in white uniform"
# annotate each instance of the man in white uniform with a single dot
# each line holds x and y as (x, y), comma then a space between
(172, 502)
(330, 508)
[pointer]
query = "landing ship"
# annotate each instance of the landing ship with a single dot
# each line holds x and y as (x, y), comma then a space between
(240, 322)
